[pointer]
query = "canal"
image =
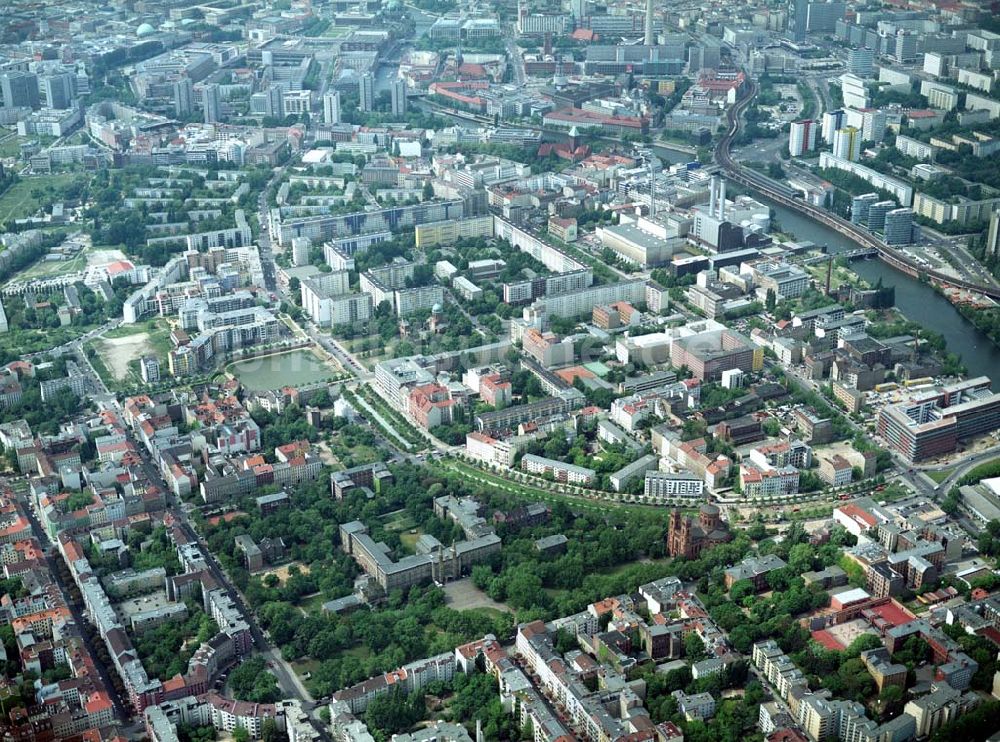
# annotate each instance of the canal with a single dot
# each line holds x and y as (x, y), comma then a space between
(386, 73)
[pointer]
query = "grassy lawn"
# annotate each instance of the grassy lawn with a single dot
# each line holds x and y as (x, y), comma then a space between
(157, 331)
(312, 604)
(358, 454)
(362, 652)
(402, 523)
(98, 363)
(983, 470)
(304, 667)
(125, 331)
(486, 611)
(940, 476)
(10, 146)
(810, 514)
(622, 567)
(18, 203)
(398, 520)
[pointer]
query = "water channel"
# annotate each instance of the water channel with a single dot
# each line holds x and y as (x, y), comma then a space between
(918, 301)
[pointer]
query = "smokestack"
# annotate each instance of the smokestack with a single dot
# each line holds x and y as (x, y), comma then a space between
(652, 189)
(722, 198)
(648, 41)
(711, 196)
(479, 730)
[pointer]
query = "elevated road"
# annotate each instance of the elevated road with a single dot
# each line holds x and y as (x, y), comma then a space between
(779, 193)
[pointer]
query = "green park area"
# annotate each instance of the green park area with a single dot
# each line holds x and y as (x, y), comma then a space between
(10, 146)
(25, 197)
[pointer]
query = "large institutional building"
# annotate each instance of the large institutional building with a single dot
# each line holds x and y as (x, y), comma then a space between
(932, 423)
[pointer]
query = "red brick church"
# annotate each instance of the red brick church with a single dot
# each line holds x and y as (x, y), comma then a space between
(688, 537)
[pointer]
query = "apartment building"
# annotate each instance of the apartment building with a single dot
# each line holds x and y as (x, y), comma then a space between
(559, 470)
(663, 487)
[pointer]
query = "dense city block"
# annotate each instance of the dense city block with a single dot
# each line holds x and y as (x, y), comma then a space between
(531, 371)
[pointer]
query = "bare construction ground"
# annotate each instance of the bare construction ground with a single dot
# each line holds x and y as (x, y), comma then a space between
(117, 352)
(463, 595)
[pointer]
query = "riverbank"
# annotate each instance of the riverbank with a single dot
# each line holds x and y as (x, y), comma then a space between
(915, 300)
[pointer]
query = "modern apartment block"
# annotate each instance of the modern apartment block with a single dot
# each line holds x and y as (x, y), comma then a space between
(328, 227)
(802, 136)
(559, 470)
(662, 487)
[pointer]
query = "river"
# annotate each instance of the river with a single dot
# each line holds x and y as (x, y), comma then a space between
(386, 73)
(918, 301)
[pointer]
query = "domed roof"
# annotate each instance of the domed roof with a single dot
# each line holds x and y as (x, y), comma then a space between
(145, 30)
(709, 509)
(437, 308)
